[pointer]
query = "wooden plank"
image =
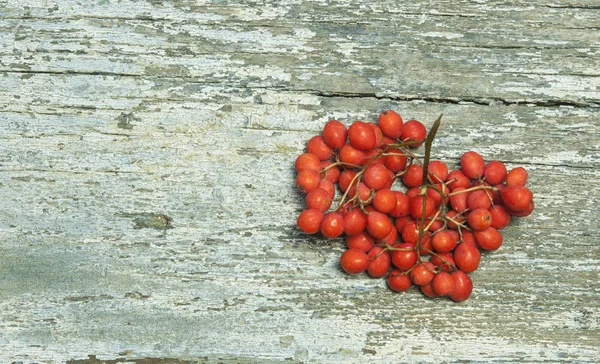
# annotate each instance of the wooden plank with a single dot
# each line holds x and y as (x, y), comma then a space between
(147, 199)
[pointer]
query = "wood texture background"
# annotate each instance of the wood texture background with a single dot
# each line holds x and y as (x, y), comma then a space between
(147, 198)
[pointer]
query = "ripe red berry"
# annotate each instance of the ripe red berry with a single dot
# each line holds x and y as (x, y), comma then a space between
(472, 165)
(522, 213)
(309, 221)
(346, 177)
(445, 261)
(379, 262)
(384, 200)
(478, 199)
(516, 198)
(414, 130)
(327, 186)
(488, 239)
(361, 241)
(402, 207)
(463, 286)
(500, 217)
(443, 241)
(352, 155)
(443, 284)
(332, 174)
(422, 273)
(437, 171)
(354, 221)
(308, 180)
(416, 206)
(453, 218)
(335, 133)
(398, 281)
(307, 161)
(332, 225)
(479, 219)
(413, 176)
(361, 135)
(517, 177)
(390, 124)
(318, 199)
(378, 224)
(456, 179)
(317, 146)
(379, 141)
(354, 261)
(427, 290)
(467, 256)
(494, 172)
(458, 200)
(364, 193)
(405, 257)
(396, 160)
(376, 176)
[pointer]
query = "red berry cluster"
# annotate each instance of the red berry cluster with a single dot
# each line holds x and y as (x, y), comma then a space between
(429, 233)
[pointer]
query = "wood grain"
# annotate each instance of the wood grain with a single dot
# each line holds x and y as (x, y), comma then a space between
(147, 202)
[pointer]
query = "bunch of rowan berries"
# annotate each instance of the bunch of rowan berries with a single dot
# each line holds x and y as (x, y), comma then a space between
(428, 229)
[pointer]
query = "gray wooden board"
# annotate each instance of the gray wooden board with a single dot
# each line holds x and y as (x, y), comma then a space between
(147, 198)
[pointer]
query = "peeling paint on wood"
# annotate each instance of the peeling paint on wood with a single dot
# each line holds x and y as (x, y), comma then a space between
(147, 205)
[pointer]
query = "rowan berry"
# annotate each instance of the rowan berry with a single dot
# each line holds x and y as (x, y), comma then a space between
(361, 241)
(384, 200)
(413, 177)
(443, 284)
(437, 171)
(361, 135)
(351, 155)
(346, 177)
(472, 165)
(354, 261)
(309, 221)
(318, 199)
(379, 142)
(405, 256)
(317, 146)
(398, 281)
(390, 124)
(427, 290)
(443, 241)
(332, 225)
(413, 130)
(400, 222)
(478, 199)
(379, 262)
(422, 273)
(443, 261)
(416, 206)
(516, 198)
(488, 239)
(463, 286)
(500, 217)
(458, 200)
(517, 177)
(378, 224)
(494, 172)
(330, 173)
(334, 134)
(454, 219)
(354, 221)
(402, 207)
(389, 239)
(395, 160)
(364, 193)
(479, 219)
(307, 161)
(307, 180)
(466, 257)
(327, 186)
(457, 178)
(376, 176)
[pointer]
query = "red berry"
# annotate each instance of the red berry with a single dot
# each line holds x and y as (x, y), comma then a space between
(427, 290)
(472, 165)
(467, 256)
(488, 239)
(463, 286)
(361, 135)
(437, 171)
(334, 134)
(414, 130)
(494, 172)
(443, 284)
(443, 241)
(354, 261)
(500, 217)
(390, 124)
(351, 155)
(478, 199)
(516, 198)
(402, 207)
(458, 201)
(318, 199)
(308, 180)
(361, 241)
(413, 176)
(517, 177)
(327, 186)
(307, 161)
(317, 146)
(453, 218)
(422, 273)
(416, 206)
(384, 200)
(479, 219)
(396, 161)
(332, 174)
(379, 262)
(309, 221)
(398, 281)
(404, 258)
(346, 178)
(378, 224)
(376, 176)
(444, 260)
(354, 221)
(456, 179)
(332, 225)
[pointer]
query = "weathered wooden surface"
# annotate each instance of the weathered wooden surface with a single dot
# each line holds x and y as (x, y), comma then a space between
(117, 115)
